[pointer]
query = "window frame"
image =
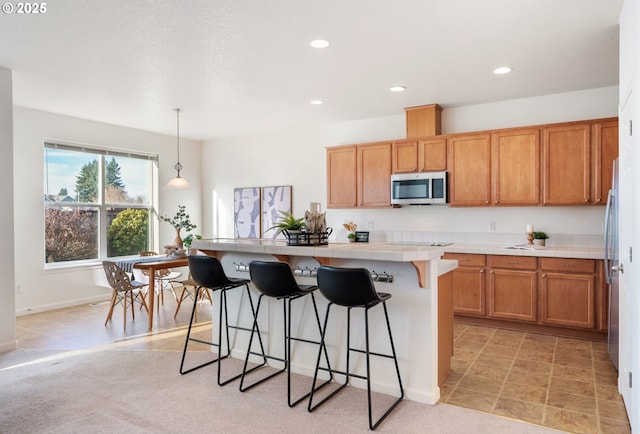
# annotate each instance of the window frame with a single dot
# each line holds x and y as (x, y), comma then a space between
(101, 205)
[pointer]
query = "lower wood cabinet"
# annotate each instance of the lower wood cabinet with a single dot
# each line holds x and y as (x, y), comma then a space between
(469, 284)
(568, 292)
(513, 288)
(557, 292)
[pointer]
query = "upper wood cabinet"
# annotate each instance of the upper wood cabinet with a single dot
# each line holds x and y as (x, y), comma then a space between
(422, 155)
(605, 149)
(374, 175)
(567, 164)
(469, 169)
(359, 176)
(515, 164)
(341, 177)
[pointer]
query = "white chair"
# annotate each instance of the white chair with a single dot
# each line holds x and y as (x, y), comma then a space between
(125, 291)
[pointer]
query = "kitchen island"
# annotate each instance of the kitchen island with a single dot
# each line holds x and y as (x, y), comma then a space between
(409, 273)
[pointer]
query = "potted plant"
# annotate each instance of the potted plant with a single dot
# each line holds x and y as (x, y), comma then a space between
(287, 224)
(539, 238)
(179, 221)
(351, 227)
(188, 240)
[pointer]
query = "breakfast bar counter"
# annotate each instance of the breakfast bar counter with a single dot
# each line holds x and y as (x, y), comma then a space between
(410, 273)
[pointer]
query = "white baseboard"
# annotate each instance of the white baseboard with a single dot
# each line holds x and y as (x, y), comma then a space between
(8, 346)
(63, 304)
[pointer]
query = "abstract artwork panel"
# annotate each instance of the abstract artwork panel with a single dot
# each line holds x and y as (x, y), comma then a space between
(274, 199)
(246, 213)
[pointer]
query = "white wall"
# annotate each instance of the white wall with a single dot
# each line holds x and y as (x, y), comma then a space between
(297, 158)
(39, 289)
(7, 260)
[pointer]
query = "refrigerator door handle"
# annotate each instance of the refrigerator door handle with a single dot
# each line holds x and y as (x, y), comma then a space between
(607, 238)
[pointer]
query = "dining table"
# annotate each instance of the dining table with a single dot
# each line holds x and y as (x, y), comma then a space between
(153, 264)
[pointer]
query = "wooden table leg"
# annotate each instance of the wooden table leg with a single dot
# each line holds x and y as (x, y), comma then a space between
(152, 295)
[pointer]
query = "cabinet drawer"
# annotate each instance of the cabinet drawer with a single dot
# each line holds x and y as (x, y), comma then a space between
(568, 265)
(467, 259)
(513, 262)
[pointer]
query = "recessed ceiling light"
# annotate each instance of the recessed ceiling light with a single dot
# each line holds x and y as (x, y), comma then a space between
(315, 102)
(319, 43)
(398, 88)
(502, 70)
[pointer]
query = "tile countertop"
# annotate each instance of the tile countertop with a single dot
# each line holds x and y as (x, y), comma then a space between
(550, 252)
(369, 251)
(382, 251)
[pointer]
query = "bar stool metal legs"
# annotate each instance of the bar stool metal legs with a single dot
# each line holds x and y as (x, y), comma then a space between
(353, 288)
(276, 280)
(207, 272)
(288, 337)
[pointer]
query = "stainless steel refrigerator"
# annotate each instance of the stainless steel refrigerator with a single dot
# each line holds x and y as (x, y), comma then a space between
(611, 264)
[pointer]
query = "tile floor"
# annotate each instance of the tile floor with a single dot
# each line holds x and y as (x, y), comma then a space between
(562, 383)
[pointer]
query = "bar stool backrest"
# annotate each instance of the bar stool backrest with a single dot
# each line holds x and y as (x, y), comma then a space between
(274, 279)
(347, 286)
(207, 271)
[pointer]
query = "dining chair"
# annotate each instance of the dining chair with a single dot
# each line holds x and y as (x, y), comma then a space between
(190, 289)
(163, 281)
(125, 291)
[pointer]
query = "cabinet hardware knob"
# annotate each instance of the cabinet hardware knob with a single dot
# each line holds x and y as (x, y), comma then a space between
(486, 201)
(544, 275)
(567, 265)
(586, 199)
(599, 199)
(513, 262)
(482, 271)
(491, 272)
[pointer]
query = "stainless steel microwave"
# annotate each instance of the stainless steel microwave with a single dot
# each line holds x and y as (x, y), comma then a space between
(424, 188)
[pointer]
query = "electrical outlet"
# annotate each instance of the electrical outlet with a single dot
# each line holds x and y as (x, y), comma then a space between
(18, 289)
(370, 224)
(492, 226)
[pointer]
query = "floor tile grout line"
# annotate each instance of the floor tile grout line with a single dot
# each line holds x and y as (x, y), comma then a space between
(546, 399)
(504, 381)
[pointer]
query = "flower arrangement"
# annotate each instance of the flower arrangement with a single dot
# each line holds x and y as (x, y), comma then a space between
(351, 227)
(181, 220)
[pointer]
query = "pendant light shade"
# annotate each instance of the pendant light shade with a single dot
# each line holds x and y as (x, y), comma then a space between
(178, 182)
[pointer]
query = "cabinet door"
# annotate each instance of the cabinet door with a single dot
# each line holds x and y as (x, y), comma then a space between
(341, 177)
(516, 167)
(469, 291)
(513, 295)
(567, 299)
(470, 167)
(432, 155)
(567, 165)
(605, 150)
(374, 175)
(404, 157)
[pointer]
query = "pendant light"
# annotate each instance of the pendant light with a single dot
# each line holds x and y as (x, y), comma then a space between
(178, 182)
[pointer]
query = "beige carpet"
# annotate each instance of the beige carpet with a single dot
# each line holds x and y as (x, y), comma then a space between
(114, 391)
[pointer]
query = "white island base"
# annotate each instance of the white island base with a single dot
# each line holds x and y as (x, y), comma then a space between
(413, 310)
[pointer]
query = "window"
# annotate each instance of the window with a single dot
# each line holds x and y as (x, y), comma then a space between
(97, 203)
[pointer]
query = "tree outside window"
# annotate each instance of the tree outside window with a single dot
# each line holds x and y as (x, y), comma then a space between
(111, 188)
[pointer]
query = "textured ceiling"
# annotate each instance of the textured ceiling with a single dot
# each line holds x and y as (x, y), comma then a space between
(245, 66)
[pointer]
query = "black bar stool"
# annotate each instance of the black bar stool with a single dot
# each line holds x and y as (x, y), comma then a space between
(353, 287)
(207, 272)
(275, 279)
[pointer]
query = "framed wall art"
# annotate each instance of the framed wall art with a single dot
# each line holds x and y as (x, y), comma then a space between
(246, 212)
(274, 199)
